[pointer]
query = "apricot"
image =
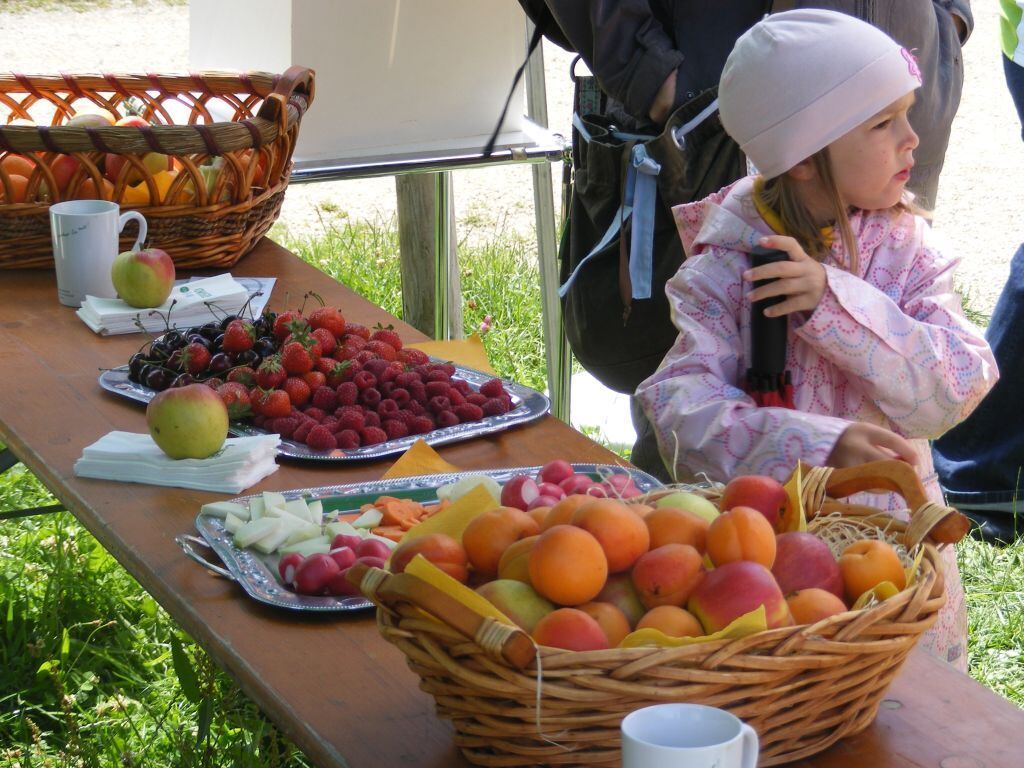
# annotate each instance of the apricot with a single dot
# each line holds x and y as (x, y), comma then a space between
(567, 565)
(17, 164)
(620, 531)
(489, 534)
(670, 525)
(611, 620)
(667, 575)
(571, 629)
(19, 186)
(742, 533)
(672, 620)
(441, 550)
(562, 512)
(539, 514)
(515, 560)
(867, 563)
(814, 604)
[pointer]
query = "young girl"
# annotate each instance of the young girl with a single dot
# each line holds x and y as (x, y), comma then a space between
(880, 354)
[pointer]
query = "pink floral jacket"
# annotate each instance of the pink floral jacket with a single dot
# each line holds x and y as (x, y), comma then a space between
(888, 346)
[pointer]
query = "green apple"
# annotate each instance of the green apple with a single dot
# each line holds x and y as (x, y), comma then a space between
(690, 502)
(143, 278)
(188, 422)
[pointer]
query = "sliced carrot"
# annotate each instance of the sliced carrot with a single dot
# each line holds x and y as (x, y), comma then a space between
(393, 532)
(401, 512)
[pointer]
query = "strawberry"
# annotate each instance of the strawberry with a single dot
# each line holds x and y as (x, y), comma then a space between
(297, 390)
(356, 329)
(238, 337)
(335, 373)
(296, 358)
(315, 379)
(382, 349)
(329, 318)
(271, 374)
(276, 405)
(243, 374)
(388, 336)
(327, 341)
(413, 356)
(283, 324)
(236, 398)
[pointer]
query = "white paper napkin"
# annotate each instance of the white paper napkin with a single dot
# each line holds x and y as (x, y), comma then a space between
(135, 458)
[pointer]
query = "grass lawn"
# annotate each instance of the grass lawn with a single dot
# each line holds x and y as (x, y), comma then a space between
(94, 673)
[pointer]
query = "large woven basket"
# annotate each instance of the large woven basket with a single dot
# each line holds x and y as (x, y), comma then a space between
(802, 688)
(250, 121)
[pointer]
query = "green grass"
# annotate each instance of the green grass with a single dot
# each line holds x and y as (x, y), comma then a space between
(94, 673)
(77, 6)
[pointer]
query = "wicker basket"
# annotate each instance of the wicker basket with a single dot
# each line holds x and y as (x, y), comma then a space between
(802, 688)
(200, 223)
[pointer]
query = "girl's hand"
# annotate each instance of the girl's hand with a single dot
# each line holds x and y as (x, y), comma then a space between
(862, 442)
(801, 280)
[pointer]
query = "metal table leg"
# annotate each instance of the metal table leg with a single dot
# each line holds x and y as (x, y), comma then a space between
(8, 460)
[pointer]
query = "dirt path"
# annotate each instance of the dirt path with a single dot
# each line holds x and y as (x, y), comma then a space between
(979, 200)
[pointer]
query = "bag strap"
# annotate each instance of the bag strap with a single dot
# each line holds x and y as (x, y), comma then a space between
(778, 6)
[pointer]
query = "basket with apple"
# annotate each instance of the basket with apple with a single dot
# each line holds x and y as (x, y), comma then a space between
(552, 618)
(205, 156)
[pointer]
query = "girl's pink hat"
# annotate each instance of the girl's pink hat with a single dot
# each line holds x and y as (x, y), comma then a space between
(797, 81)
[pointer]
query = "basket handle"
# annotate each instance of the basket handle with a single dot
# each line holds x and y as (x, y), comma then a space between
(944, 525)
(498, 639)
(275, 106)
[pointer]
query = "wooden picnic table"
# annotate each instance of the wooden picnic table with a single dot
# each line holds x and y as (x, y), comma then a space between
(332, 684)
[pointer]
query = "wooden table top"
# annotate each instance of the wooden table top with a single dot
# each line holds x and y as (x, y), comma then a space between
(349, 699)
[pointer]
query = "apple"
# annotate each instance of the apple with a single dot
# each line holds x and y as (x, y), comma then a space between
(100, 119)
(763, 493)
(689, 502)
(143, 278)
(803, 561)
(189, 422)
(517, 600)
(734, 589)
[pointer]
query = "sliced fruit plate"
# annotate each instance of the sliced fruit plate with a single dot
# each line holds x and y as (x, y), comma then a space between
(251, 535)
(526, 405)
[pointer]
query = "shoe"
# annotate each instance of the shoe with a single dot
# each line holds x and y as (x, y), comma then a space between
(994, 526)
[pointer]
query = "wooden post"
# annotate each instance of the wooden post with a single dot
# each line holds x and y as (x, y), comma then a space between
(417, 235)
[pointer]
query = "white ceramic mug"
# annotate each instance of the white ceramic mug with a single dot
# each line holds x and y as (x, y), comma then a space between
(85, 234)
(687, 736)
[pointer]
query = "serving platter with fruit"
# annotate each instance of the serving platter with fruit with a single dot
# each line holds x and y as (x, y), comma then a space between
(257, 537)
(334, 390)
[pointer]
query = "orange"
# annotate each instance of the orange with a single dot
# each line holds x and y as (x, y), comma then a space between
(567, 565)
(620, 531)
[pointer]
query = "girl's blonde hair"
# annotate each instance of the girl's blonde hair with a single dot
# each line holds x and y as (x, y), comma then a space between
(780, 195)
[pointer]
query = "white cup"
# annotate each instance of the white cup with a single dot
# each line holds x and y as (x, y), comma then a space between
(687, 736)
(84, 234)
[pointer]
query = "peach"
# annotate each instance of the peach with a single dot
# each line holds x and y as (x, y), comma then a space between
(567, 565)
(802, 560)
(515, 560)
(620, 531)
(670, 525)
(867, 563)
(571, 629)
(620, 592)
(667, 575)
(489, 534)
(441, 550)
(672, 620)
(610, 619)
(516, 600)
(734, 589)
(812, 605)
(742, 533)
(765, 494)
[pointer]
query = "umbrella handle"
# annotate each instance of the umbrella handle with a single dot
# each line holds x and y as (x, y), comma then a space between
(768, 335)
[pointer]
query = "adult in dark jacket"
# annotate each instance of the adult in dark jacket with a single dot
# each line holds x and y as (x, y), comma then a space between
(649, 58)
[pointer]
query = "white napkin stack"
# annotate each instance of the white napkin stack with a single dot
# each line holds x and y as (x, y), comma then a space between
(113, 316)
(135, 458)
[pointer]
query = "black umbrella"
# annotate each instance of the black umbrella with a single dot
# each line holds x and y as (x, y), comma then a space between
(768, 381)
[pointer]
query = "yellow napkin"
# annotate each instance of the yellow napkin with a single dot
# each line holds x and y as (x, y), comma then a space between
(469, 353)
(747, 624)
(453, 519)
(425, 570)
(420, 459)
(794, 518)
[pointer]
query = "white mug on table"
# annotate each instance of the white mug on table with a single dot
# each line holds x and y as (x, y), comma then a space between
(85, 234)
(687, 736)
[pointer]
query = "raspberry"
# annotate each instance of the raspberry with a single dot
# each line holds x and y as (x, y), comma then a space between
(421, 425)
(391, 372)
(447, 419)
(494, 407)
(285, 426)
(463, 386)
(438, 404)
(365, 356)
(400, 396)
(413, 357)
(325, 398)
(314, 413)
(370, 397)
(320, 438)
(448, 368)
(350, 418)
(386, 407)
(259, 420)
(383, 350)
(492, 388)
(469, 412)
(455, 396)
(419, 392)
(395, 429)
(373, 435)
(302, 431)
(376, 367)
(416, 407)
(365, 379)
(371, 419)
(476, 399)
(406, 378)
(385, 388)
(347, 392)
(347, 439)
(438, 375)
(331, 422)
(403, 416)
(437, 388)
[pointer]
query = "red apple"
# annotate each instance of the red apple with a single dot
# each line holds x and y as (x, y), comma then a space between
(143, 278)
(763, 493)
(734, 589)
(803, 561)
(189, 422)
